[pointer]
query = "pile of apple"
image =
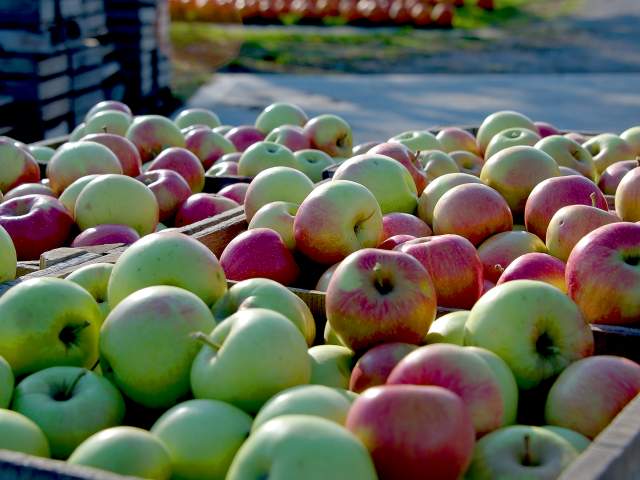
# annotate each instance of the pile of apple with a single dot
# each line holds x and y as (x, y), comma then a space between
(153, 367)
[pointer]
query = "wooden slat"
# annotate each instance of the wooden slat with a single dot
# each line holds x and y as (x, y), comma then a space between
(63, 254)
(27, 267)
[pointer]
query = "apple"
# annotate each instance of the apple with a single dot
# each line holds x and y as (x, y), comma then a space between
(108, 199)
(511, 137)
(77, 133)
(626, 201)
(467, 162)
(70, 194)
(613, 175)
(94, 278)
(20, 434)
(200, 206)
(454, 266)
(391, 183)
(534, 327)
(244, 136)
(392, 242)
(323, 281)
(546, 129)
(167, 258)
(336, 219)
(152, 323)
(567, 172)
(552, 194)
(197, 116)
(276, 184)
(64, 329)
(536, 266)
(317, 400)
(608, 149)
(266, 293)
(108, 105)
(602, 275)
(291, 136)
(499, 121)
(36, 224)
(170, 189)
(490, 213)
(577, 440)
(302, 446)
(397, 223)
(69, 404)
(108, 121)
(152, 134)
(577, 137)
(124, 150)
(28, 189)
(378, 296)
(185, 163)
(498, 251)
(7, 382)
(521, 451)
(588, 395)
(41, 153)
(278, 114)
(570, 224)
(202, 437)
(364, 147)
(223, 169)
(453, 138)
(105, 234)
(236, 192)
(515, 171)
(259, 253)
(313, 163)
(263, 155)
(331, 365)
(430, 430)
(77, 159)
(437, 188)
(230, 157)
(236, 364)
(278, 216)
(8, 260)
(569, 153)
(407, 158)
(417, 140)
(207, 145)
(331, 134)
(436, 164)
(373, 368)
(632, 137)
(448, 328)
(127, 451)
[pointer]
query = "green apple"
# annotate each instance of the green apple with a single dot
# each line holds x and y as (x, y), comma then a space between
(46, 322)
(70, 194)
(94, 279)
(388, 180)
(8, 256)
(197, 116)
(77, 133)
(330, 336)
(167, 258)
(19, 434)
(511, 137)
(125, 450)
(248, 358)
(436, 164)
(7, 382)
(151, 134)
(109, 121)
(331, 365)
(448, 329)
(520, 451)
(147, 344)
(41, 153)
(317, 400)
(278, 114)
(418, 140)
(608, 149)
(202, 437)
(535, 328)
(577, 440)
(569, 153)
(331, 134)
(263, 155)
(109, 199)
(278, 216)
(632, 137)
(292, 447)
(436, 189)
(69, 404)
(313, 162)
(499, 121)
(266, 293)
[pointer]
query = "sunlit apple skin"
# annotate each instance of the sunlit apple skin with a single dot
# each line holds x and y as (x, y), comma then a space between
(398, 223)
(21, 434)
(546, 129)
(169, 188)
(336, 219)
(197, 116)
(236, 192)
(207, 145)
(264, 155)
(244, 136)
(613, 175)
(404, 444)
(608, 149)
(602, 274)
(200, 206)
(364, 147)
(448, 328)
(106, 234)
(498, 251)
(152, 134)
(313, 163)
(453, 138)
(511, 137)
(291, 136)
(627, 199)
(392, 242)
(280, 113)
(373, 368)
(28, 189)
(569, 153)
(278, 216)
(123, 149)
(259, 252)
(498, 121)
(109, 121)
(467, 162)
(407, 158)
(36, 224)
(185, 163)
(490, 214)
(436, 164)
(417, 140)
(108, 105)
(331, 134)
(223, 169)
(552, 194)
(378, 296)
(8, 268)
(325, 278)
(536, 266)
(437, 188)
(570, 224)
(94, 278)
(632, 137)
(454, 266)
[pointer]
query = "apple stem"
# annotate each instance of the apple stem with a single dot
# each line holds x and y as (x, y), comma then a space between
(527, 461)
(498, 268)
(205, 339)
(69, 390)
(592, 196)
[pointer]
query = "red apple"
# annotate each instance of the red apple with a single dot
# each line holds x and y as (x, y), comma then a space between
(454, 266)
(235, 191)
(453, 138)
(612, 176)
(17, 166)
(244, 136)
(208, 145)
(124, 150)
(577, 137)
(498, 251)
(36, 224)
(397, 223)
(407, 158)
(106, 234)
(185, 163)
(331, 134)
(392, 242)
(546, 129)
(200, 206)
(169, 188)
(28, 189)
(259, 253)
(108, 105)
(536, 266)
(151, 134)
(373, 368)
(627, 199)
(291, 136)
